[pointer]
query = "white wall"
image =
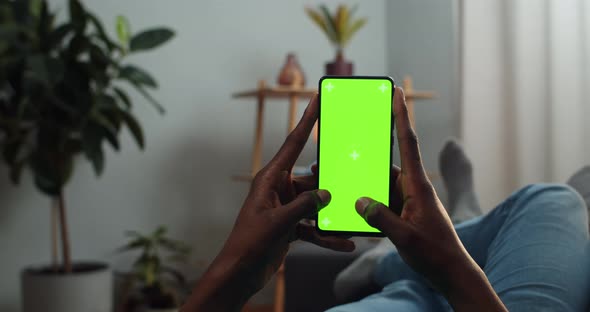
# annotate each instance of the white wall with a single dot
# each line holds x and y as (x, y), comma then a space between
(525, 94)
(183, 178)
(423, 43)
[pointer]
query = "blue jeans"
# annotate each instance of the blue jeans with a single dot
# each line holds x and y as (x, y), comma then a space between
(533, 248)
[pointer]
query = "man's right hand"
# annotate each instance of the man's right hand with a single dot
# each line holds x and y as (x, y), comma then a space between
(423, 233)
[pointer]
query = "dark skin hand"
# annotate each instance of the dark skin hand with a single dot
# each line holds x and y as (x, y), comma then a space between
(270, 220)
(423, 233)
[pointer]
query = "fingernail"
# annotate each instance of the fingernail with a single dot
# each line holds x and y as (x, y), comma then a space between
(324, 196)
(361, 205)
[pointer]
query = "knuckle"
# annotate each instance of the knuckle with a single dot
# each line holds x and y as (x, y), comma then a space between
(308, 197)
(412, 137)
(259, 177)
(376, 215)
(409, 137)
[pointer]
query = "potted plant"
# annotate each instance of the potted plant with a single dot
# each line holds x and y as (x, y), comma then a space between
(153, 285)
(62, 95)
(339, 28)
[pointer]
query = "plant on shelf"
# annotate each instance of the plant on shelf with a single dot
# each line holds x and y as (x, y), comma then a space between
(63, 94)
(152, 283)
(339, 27)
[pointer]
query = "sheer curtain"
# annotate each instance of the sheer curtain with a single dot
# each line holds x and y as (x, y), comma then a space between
(526, 92)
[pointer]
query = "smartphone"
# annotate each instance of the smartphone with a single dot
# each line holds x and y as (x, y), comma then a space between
(355, 143)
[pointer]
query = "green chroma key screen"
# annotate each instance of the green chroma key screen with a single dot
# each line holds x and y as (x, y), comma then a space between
(355, 133)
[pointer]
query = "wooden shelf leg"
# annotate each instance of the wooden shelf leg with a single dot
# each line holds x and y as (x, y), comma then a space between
(279, 303)
(292, 113)
(257, 151)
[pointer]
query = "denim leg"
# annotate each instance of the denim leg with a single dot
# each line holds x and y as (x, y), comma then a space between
(403, 295)
(533, 247)
(539, 259)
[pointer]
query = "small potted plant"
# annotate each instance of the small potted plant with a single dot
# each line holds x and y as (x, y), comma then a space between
(63, 95)
(339, 27)
(153, 285)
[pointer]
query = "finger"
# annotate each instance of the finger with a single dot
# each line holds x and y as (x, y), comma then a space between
(395, 171)
(308, 233)
(406, 136)
(396, 201)
(314, 169)
(304, 205)
(305, 183)
(381, 217)
(289, 152)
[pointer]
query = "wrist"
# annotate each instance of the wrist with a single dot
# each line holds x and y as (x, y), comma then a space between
(221, 288)
(468, 288)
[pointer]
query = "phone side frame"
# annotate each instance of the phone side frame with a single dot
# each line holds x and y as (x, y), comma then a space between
(392, 143)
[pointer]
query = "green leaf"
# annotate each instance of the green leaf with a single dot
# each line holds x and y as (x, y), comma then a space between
(44, 21)
(137, 76)
(92, 146)
(77, 16)
(150, 39)
(37, 7)
(150, 99)
(160, 231)
(46, 185)
(99, 59)
(45, 69)
(175, 246)
(11, 150)
(108, 130)
(138, 243)
(36, 66)
(57, 36)
(123, 31)
(77, 46)
(102, 34)
(134, 128)
(22, 11)
(123, 97)
(330, 23)
(51, 169)
(354, 27)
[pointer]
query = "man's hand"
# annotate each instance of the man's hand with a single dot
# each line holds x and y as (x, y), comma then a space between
(268, 221)
(423, 233)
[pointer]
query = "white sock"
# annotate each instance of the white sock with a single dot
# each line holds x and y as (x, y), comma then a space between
(457, 174)
(358, 276)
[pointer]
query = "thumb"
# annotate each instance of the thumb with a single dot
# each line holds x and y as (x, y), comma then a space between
(379, 216)
(306, 204)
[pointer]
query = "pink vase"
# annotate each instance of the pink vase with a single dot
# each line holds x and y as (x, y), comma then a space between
(291, 74)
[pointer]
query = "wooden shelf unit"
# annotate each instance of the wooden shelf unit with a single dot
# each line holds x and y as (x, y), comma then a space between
(263, 93)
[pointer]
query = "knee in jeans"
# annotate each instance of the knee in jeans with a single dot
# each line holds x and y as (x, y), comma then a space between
(551, 198)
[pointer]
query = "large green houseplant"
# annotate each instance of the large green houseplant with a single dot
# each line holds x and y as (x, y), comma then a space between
(63, 94)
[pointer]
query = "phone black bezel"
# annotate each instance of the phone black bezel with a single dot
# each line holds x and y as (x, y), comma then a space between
(354, 233)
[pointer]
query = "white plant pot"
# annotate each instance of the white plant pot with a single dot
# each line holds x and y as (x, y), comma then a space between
(88, 289)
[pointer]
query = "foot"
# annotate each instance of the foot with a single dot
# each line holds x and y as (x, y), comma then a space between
(356, 281)
(457, 175)
(580, 181)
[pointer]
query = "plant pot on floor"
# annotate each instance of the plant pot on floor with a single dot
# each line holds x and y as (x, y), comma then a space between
(88, 288)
